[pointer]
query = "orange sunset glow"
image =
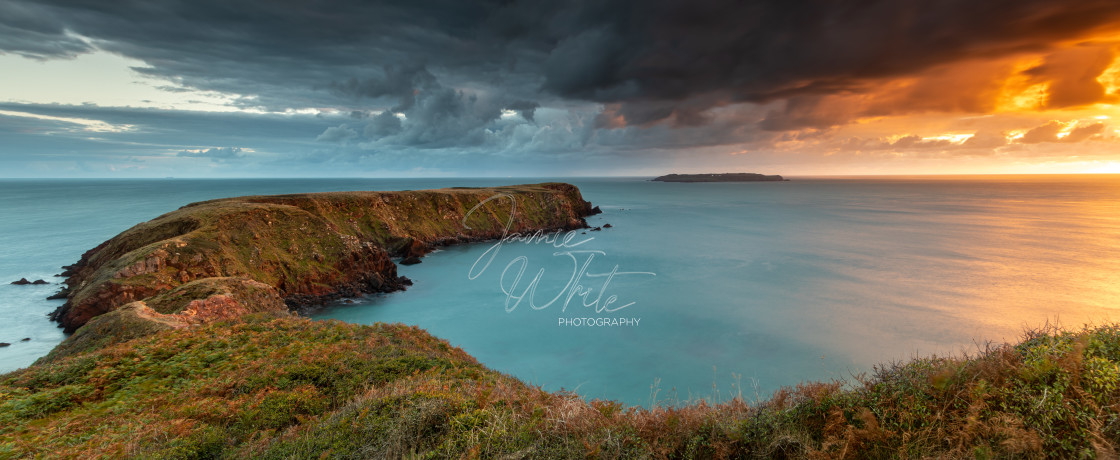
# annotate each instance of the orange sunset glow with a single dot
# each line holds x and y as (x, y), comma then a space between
(1036, 111)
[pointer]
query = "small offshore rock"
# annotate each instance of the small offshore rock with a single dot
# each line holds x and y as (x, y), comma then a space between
(607, 225)
(411, 260)
(25, 339)
(21, 282)
(595, 210)
(596, 229)
(39, 282)
(4, 344)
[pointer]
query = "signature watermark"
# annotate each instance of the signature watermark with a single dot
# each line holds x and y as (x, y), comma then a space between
(587, 285)
(598, 322)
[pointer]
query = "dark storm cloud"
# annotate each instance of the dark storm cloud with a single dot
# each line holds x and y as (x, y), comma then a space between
(594, 76)
(805, 111)
(527, 109)
(399, 83)
(279, 54)
(382, 125)
(606, 51)
(434, 116)
(716, 52)
(24, 30)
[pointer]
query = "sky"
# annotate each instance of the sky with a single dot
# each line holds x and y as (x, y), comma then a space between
(459, 88)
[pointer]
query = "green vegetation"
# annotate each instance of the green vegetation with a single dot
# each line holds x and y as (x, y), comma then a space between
(285, 387)
(186, 350)
(172, 309)
(304, 246)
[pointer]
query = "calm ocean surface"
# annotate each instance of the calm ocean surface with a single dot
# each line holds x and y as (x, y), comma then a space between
(734, 288)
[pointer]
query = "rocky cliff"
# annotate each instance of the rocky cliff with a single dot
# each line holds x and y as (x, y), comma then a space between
(221, 258)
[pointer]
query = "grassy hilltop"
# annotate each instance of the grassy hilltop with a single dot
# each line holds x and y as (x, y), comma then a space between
(213, 365)
(287, 387)
(304, 248)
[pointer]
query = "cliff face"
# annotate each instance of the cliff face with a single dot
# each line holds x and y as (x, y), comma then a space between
(307, 248)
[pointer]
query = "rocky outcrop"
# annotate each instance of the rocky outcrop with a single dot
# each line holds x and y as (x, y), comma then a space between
(127, 322)
(213, 299)
(24, 282)
(197, 302)
(307, 248)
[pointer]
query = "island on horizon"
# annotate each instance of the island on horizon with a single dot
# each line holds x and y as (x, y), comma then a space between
(722, 177)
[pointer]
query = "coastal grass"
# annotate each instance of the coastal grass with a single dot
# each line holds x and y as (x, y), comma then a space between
(304, 244)
(286, 387)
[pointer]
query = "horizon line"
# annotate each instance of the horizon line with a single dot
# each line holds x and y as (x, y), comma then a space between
(543, 177)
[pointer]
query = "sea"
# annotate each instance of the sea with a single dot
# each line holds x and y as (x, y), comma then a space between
(695, 291)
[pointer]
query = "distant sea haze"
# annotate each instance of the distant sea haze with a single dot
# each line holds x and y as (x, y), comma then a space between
(729, 288)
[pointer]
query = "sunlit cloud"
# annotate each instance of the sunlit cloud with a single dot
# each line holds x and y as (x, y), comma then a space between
(102, 78)
(84, 124)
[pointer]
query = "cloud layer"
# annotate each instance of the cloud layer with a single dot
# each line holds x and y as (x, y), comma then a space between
(437, 82)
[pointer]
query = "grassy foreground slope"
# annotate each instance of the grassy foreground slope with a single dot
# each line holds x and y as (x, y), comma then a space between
(268, 386)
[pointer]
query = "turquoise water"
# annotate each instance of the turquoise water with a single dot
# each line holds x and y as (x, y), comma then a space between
(733, 288)
(45, 224)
